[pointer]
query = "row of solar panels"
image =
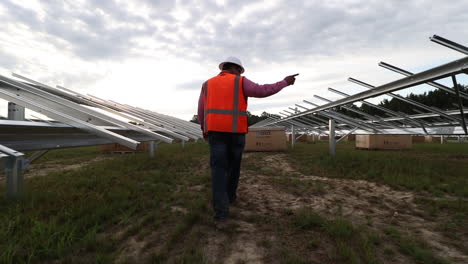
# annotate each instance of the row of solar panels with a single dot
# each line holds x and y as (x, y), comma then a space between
(81, 120)
(75, 120)
(315, 118)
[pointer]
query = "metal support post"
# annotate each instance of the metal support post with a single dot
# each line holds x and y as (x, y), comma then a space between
(14, 175)
(183, 143)
(441, 139)
(156, 145)
(460, 104)
(15, 112)
(331, 137)
(151, 149)
(293, 136)
(14, 166)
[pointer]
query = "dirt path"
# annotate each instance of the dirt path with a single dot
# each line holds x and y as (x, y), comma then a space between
(359, 201)
(45, 168)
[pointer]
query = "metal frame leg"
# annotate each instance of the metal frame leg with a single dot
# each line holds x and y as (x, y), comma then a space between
(293, 136)
(14, 167)
(460, 104)
(14, 176)
(151, 149)
(331, 137)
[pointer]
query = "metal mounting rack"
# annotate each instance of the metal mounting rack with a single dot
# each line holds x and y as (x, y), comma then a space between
(78, 120)
(325, 119)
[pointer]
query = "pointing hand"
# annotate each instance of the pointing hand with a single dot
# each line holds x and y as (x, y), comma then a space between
(291, 79)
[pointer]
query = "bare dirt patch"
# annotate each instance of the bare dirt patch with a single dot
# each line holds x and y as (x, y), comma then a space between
(366, 203)
(45, 168)
(249, 237)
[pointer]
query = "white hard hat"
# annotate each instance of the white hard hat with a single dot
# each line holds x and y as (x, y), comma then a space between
(233, 60)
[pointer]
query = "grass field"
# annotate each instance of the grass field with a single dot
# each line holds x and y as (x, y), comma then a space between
(297, 207)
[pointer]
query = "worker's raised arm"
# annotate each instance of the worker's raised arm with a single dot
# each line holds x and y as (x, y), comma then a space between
(252, 89)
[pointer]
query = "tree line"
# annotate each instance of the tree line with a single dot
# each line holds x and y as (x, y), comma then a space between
(437, 98)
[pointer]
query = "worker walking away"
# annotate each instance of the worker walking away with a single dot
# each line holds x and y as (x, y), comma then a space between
(222, 113)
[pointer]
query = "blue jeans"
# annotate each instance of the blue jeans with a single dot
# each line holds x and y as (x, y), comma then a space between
(225, 161)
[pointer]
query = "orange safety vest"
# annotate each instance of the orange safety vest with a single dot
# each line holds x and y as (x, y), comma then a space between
(225, 104)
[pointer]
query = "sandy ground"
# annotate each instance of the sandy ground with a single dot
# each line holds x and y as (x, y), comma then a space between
(359, 201)
(45, 168)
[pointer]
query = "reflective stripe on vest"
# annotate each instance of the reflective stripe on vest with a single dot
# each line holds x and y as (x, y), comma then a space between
(236, 110)
(236, 103)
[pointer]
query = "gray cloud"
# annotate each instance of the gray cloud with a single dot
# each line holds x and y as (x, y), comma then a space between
(285, 32)
(19, 14)
(292, 30)
(88, 29)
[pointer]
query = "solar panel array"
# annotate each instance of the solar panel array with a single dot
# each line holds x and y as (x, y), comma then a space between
(76, 120)
(84, 120)
(326, 119)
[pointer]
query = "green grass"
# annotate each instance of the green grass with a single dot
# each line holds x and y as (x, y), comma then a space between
(88, 214)
(352, 244)
(437, 172)
(70, 215)
(439, 169)
(67, 156)
(413, 247)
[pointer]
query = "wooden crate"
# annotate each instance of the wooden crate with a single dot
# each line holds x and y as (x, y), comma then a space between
(376, 142)
(323, 138)
(432, 139)
(418, 139)
(304, 138)
(266, 139)
(312, 138)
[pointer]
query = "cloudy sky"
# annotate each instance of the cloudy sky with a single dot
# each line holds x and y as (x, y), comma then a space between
(156, 53)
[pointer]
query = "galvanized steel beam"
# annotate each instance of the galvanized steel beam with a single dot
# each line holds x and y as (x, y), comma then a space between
(449, 44)
(407, 73)
(445, 70)
(65, 118)
(406, 100)
(460, 104)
